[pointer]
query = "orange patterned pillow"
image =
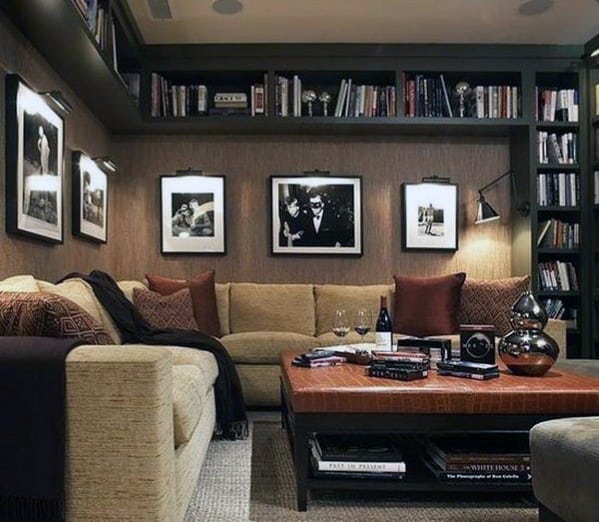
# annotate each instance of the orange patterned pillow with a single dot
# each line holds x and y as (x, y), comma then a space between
(490, 301)
(166, 311)
(48, 315)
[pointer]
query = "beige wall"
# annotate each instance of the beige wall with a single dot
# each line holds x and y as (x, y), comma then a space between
(134, 211)
(247, 162)
(83, 131)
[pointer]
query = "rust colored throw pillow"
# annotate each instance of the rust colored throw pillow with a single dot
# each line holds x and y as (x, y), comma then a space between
(427, 305)
(166, 311)
(48, 315)
(203, 297)
(490, 301)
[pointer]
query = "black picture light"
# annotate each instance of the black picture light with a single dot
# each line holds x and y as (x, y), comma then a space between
(486, 212)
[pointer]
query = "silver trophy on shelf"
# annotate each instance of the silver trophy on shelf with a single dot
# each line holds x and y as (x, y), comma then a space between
(325, 99)
(309, 97)
(462, 90)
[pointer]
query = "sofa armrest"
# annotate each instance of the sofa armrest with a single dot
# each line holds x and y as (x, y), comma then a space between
(120, 462)
(556, 328)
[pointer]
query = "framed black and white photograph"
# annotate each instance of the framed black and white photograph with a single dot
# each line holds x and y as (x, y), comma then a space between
(316, 215)
(34, 164)
(90, 199)
(193, 214)
(430, 216)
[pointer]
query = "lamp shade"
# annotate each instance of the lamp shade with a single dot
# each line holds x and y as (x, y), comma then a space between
(485, 212)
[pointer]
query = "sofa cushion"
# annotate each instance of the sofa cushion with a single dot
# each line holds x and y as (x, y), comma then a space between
(265, 347)
(330, 339)
(19, 283)
(331, 297)
(128, 286)
(272, 308)
(205, 361)
(166, 311)
(222, 304)
(48, 315)
(189, 392)
(81, 293)
(203, 296)
(490, 301)
(427, 305)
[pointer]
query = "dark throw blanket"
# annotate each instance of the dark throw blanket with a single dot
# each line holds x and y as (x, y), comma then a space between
(32, 434)
(230, 408)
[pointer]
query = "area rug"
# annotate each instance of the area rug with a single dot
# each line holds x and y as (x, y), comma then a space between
(273, 495)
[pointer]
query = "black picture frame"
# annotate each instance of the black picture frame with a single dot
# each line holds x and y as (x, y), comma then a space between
(89, 204)
(209, 193)
(436, 230)
(34, 164)
(341, 211)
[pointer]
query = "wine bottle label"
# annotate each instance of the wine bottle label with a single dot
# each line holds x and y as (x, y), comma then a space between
(383, 341)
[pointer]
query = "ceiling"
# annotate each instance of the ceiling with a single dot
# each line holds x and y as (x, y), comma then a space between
(372, 21)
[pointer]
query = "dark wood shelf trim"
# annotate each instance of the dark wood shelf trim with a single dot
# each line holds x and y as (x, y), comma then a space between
(558, 167)
(558, 209)
(557, 293)
(564, 125)
(564, 251)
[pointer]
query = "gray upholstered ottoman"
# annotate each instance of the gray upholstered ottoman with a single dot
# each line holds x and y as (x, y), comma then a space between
(565, 469)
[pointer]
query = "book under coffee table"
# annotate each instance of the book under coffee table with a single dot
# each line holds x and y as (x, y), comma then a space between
(341, 399)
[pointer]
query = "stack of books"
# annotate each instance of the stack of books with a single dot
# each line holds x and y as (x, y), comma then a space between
(501, 458)
(400, 366)
(356, 456)
(557, 105)
(558, 150)
(558, 276)
(554, 233)
(558, 189)
(318, 359)
(469, 370)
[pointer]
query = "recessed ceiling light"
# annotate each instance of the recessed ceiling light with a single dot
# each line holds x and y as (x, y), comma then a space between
(227, 7)
(535, 7)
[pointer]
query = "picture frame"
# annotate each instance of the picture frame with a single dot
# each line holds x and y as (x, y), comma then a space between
(89, 198)
(34, 164)
(430, 216)
(316, 214)
(193, 214)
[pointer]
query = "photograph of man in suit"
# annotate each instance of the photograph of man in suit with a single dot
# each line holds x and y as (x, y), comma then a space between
(322, 226)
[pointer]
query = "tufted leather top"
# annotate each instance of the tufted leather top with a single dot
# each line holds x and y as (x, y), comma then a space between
(345, 389)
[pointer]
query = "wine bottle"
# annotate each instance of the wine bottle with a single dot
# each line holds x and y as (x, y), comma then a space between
(383, 328)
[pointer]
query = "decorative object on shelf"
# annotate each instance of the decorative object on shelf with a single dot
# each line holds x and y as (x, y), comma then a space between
(527, 350)
(462, 90)
(316, 214)
(34, 164)
(477, 343)
(309, 97)
(90, 198)
(325, 98)
(430, 215)
(193, 213)
(486, 212)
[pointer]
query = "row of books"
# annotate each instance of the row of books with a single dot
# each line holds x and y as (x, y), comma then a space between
(554, 233)
(556, 105)
(365, 101)
(558, 276)
(558, 189)
(504, 458)
(554, 307)
(168, 99)
(557, 149)
(96, 16)
(426, 97)
(497, 101)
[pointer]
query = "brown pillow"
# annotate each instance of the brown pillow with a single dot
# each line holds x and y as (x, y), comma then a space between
(490, 301)
(48, 315)
(427, 305)
(203, 297)
(166, 311)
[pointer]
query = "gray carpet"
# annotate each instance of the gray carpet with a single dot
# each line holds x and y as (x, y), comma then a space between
(253, 480)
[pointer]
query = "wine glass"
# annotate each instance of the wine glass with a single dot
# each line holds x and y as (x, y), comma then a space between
(363, 323)
(340, 324)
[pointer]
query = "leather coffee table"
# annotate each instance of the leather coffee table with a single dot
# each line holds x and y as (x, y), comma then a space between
(341, 399)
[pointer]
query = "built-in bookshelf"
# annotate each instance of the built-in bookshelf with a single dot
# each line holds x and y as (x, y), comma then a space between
(593, 236)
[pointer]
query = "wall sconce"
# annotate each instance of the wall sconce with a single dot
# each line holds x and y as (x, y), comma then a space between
(486, 212)
(58, 98)
(105, 163)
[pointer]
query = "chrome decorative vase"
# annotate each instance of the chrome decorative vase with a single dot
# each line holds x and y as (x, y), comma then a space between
(527, 350)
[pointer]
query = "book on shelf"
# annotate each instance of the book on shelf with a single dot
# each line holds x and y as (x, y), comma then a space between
(554, 233)
(557, 276)
(81, 6)
(554, 104)
(484, 449)
(357, 448)
(557, 149)
(558, 189)
(477, 476)
(132, 81)
(555, 307)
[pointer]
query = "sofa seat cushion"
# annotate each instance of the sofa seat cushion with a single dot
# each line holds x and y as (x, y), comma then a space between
(272, 308)
(202, 359)
(265, 347)
(189, 396)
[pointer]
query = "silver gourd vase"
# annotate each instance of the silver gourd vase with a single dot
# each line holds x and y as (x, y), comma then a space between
(527, 350)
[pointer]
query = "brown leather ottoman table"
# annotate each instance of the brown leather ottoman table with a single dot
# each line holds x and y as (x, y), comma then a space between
(341, 399)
